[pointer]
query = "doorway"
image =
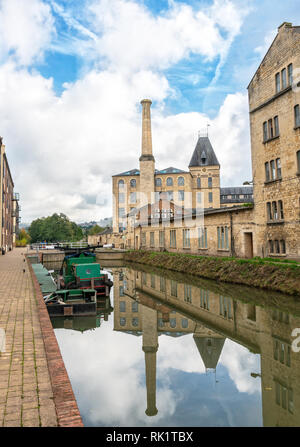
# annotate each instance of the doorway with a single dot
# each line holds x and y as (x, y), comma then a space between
(248, 241)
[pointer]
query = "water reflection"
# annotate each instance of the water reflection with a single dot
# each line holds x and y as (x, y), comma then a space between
(184, 352)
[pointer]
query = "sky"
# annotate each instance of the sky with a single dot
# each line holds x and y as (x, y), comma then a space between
(73, 73)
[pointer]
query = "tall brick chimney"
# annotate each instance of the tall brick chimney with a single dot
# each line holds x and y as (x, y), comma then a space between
(147, 161)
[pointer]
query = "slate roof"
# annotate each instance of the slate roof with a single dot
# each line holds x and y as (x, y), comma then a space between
(204, 154)
(241, 190)
(170, 171)
(131, 172)
(210, 349)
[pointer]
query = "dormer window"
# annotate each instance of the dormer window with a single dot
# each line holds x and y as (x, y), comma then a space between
(203, 158)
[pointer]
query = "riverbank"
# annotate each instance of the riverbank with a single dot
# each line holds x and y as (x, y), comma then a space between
(264, 274)
(35, 390)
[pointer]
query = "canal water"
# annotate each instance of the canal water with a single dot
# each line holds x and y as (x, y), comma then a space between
(171, 350)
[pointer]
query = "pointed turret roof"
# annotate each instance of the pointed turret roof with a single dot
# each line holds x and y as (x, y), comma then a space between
(204, 155)
(210, 349)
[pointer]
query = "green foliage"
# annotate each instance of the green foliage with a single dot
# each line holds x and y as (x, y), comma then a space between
(95, 230)
(55, 228)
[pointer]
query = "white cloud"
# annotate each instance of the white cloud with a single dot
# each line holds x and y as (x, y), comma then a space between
(240, 364)
(26, 30)
(64, 149)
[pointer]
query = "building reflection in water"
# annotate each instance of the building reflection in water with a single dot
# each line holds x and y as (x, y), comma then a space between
(148, 305)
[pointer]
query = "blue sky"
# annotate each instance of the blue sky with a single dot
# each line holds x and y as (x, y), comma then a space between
(72, 75)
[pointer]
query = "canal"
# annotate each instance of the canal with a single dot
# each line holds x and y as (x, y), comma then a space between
(171, 350)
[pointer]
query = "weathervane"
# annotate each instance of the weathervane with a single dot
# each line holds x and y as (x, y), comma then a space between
(204, 131)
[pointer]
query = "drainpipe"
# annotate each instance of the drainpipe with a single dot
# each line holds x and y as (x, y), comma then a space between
(232, 252)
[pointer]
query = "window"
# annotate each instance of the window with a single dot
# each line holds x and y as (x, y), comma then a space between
(297, 115)
(225, 307)
(173, 238)
(184, 323)
(169, 181)
(144, 278)
(269, 211)
(122, 306)
(122, 321)
(188, 293)
(271, 247)
(265, 130)
(283, 79)
(223, 238)
(186, 238)
(135, 322)
(298, 161)
(267, 171)
(121, 197)
(277, 82)
(278, 168)
(181, 195)
(161, 239)
(199, 196)
(152, 239)
(282, 247)
(135, 306)
(132, 197)
(273, 170)
(180, 181)
(158, 182)
(276, 125)
(153, 281)
(121, 184)
(173, 288)
(202, 237)
(173, 322)
(270, 129)
(274, 210)
(198, 182)
(121, 212)
(290, 74)
(133, 183)
(204, 299)
(143, 239)
(210, 182)
(280, 210)
(210, 197)
(162, 284)
(284, 396)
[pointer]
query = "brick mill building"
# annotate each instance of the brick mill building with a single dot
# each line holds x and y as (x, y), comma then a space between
(9, 205)
(159, 209)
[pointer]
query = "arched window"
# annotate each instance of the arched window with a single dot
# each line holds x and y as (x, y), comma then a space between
(133, 183)
(180, 181)
(169, 181)
(158, 182)
(121, 184)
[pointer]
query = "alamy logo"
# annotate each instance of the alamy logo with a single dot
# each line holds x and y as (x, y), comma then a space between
(295, 343)
(2, 340)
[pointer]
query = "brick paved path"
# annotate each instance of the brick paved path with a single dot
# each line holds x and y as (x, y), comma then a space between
(26, 396)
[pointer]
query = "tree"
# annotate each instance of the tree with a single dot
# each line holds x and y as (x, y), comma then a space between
(95, 230)
(55, 228)
(23, 238)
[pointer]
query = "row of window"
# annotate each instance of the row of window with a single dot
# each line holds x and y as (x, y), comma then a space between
(169, 196)
(273, 170)
(222, 234)
(132, 183)
(122, 304)
(284, 397)
(277, 247)
(275, 210)
(161, 323)
(282, 352)
(284, 78)
(169, 181)
(271, 129)
(237, 196)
